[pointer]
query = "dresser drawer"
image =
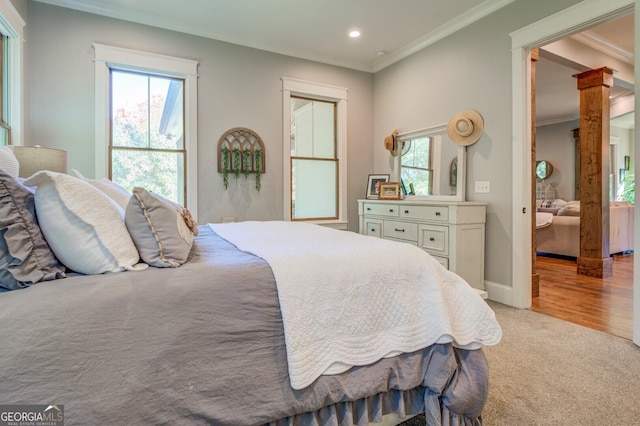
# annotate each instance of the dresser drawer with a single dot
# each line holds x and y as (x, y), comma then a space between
(434, 239)
(437, 213)
(400, 230)
(373, 227)
(381, 209)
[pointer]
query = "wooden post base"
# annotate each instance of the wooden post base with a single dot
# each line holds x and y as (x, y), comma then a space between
(599, 268)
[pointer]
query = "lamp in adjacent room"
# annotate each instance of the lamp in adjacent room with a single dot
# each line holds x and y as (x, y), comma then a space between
(35, 158)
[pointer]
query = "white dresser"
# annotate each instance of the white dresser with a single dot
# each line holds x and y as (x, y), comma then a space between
(453, 232)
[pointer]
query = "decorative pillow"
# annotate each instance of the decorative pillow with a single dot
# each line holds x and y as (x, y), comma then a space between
(82, 225)
(113, 190)
(159, 229)
(8, 161)
(559, 202)
(25, 256)
(571, 209)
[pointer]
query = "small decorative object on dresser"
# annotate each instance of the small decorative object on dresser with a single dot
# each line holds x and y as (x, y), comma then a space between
(389, 191)
(451, 231)
(373, 185)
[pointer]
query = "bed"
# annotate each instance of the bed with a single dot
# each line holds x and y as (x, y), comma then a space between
(215, 339)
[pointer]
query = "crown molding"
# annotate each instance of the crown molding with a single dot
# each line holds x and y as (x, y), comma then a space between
(590, 39)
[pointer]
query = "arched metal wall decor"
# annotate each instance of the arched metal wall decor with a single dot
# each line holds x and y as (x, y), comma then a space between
(241, 152)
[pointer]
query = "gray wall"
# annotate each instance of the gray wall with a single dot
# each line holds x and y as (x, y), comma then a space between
(241, 87)
(237, 87)
(555, 144)
(470, 69)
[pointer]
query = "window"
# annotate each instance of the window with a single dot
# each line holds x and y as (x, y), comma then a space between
(146, 122)
(147, 133)
(314, 165)
(314, 152)
(11, 36)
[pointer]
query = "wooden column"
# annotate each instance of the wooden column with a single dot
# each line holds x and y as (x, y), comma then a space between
(594, 86)
(535, 277)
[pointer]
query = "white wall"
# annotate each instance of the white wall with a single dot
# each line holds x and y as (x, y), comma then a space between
(237, 87)
(471, 69)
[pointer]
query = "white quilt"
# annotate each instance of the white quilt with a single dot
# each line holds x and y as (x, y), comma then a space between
(349, 299)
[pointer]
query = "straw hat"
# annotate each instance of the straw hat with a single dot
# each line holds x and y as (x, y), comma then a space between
(465, 127)
(390, 143)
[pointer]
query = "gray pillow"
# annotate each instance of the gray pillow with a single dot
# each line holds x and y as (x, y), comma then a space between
(25, 256)
(158, 229)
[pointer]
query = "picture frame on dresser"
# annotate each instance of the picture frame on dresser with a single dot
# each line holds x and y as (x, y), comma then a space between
(373, 184)
(389, 191)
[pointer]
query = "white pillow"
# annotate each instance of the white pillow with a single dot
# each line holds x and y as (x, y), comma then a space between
(8, 161)
(84, 227)
(113, 190)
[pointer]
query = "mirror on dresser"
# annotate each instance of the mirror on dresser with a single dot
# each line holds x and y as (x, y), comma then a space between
(430, 166)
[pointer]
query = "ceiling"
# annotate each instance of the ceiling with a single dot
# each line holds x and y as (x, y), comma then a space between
(318, 30)
(310, 29)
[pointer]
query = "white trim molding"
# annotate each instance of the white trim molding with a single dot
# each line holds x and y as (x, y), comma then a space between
(106, 57)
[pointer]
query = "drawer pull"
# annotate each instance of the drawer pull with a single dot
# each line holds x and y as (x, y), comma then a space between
(399, 230)
(390, 210)
(437, 213)
(406, 212)
(431, 239)
(373, 230)
(368, 209)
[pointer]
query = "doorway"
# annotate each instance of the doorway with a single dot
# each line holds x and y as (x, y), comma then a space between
(600, 303)
(569, 21)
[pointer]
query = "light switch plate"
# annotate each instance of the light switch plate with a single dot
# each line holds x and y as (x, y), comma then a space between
(483, 187)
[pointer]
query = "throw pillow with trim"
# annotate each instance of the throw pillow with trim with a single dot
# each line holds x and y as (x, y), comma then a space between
(159, 229)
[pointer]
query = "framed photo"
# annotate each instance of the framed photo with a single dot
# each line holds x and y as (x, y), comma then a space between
(389, 191)
(627, 160)
(373, 185)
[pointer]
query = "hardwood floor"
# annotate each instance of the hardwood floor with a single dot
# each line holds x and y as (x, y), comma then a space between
(603, 304)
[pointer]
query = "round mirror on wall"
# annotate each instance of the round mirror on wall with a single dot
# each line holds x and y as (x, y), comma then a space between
(543, 169)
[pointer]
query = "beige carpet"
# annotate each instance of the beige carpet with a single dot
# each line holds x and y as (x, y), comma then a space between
(546, 371)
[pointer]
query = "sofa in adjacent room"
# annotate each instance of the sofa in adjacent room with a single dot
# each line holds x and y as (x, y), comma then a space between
(558, 231)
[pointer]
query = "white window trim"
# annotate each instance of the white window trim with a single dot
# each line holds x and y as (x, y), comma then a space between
(294, 87)
(12, 25)
(106, 57)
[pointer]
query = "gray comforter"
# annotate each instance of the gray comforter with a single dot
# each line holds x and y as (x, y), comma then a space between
(204, 344)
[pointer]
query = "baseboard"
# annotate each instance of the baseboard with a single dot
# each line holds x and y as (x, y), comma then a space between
(499, 292)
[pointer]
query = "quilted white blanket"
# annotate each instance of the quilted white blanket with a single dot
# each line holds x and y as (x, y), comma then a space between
(349, 299)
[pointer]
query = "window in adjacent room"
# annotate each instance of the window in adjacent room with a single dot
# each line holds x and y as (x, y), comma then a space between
(314, 152)
(147, 133)
(146, 122)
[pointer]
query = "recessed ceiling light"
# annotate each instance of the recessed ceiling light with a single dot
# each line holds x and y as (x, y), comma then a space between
(354, 34)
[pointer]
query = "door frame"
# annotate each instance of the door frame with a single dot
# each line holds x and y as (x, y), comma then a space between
(560, 25)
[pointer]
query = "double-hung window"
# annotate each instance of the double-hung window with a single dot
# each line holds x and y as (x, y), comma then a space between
(11, 42)
(314, 147)
(146, 122)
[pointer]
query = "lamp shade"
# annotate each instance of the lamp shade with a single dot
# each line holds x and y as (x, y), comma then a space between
(32, 159)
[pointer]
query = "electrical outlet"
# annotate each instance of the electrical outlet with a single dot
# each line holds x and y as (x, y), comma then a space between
(483, 187)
